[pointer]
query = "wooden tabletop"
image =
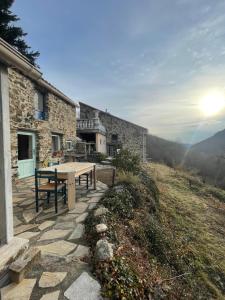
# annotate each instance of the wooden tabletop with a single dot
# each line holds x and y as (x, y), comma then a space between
(71, 167)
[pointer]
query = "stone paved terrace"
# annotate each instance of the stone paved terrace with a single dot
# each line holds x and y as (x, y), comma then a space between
(64, 254)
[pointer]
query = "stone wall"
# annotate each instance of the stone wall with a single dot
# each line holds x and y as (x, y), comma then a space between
(61, 117)
(130, 136)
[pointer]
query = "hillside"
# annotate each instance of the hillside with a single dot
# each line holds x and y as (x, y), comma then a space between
(168, 238)
(164, 151)
(214, 145)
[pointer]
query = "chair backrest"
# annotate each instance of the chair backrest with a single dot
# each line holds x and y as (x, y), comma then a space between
(42, 174)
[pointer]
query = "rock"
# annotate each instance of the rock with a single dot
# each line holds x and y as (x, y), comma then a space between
(21, 291)
(101, 228)
(51, 279)
(65, 225)
(59, 248)
(81, 252)
(104, 250)
(101, 211)
(24, 227)
(81, 218)
(94, 199)
(78, 232)
(16, 221)
(28, 235)
(23, 264)
(85, 288)
(51, 296)
(30, 215)
(80, 207)
(92, 206)
(54, 234)
(46, 224)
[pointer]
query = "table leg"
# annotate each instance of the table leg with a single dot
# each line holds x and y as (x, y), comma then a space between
(94, 175)
(71, 190)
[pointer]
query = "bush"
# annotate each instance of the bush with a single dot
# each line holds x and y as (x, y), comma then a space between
(127, 161)
(127, 178)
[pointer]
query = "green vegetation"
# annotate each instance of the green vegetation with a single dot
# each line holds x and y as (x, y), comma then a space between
(127, 161)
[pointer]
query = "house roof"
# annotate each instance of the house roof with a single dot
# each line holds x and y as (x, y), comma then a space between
(13, 58)
(107, 113)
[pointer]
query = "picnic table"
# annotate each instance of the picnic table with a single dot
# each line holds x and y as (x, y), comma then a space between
(70, 171)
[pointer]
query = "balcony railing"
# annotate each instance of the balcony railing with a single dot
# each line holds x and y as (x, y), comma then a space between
(92, 124)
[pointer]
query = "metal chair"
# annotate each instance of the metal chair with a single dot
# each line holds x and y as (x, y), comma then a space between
(52, 186)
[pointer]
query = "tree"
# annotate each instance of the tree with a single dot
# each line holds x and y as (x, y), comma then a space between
(12, 34)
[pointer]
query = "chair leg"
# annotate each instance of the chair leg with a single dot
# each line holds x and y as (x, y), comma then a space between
(65, 194)
(56, 202)
(48, 196)
(91, 176)
(79, 180)
(87, 176)
(36, 200)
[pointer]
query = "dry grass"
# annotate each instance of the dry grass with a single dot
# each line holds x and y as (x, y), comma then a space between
(195, 217)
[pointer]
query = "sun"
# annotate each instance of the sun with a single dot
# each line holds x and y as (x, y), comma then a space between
(212, 103)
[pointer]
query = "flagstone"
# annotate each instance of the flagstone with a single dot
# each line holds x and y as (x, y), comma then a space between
(54, 234)
(69, 217)
(51, 296)
(28, 235)
(65, 225)
(21, 291)
(16, 221)
(80, 207)
(78, 232)
(92, 205)
(24, 227)
(30, 215)
(95, 199)
(84, 287)
(46, 225)
(59, 248)
(81, 252)
(27, 202)
(81, 218)
(51, 279)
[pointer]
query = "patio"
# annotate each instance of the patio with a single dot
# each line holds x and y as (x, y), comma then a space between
(64, 254)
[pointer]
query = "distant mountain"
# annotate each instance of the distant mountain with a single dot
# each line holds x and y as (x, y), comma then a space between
(164, 151)
(214, 145)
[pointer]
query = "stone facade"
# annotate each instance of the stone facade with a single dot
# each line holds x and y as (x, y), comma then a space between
(61, 117)
(119, 133)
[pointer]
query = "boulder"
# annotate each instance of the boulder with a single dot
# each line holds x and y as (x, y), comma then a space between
(104, 250)
(101, 211)
(100, 228)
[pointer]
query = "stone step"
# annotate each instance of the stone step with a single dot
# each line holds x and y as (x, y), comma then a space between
(23, 264)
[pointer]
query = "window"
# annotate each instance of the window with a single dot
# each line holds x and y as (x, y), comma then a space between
(114, 137)
(39, 103)
(56, 143)
(69, 145)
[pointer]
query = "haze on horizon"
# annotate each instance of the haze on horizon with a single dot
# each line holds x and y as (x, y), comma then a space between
(150, 62)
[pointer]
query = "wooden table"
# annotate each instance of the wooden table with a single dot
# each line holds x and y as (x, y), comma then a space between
(70, 171)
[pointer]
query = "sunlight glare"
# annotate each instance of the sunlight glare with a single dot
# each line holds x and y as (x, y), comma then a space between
(212, 103)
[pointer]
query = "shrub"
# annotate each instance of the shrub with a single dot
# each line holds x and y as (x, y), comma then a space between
(127, 161)
(127, 178)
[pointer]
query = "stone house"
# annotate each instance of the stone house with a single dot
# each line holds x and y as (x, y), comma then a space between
(42, 119)
(107, 133)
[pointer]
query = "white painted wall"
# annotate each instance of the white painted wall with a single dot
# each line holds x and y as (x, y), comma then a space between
(6, 211)
(100, 143)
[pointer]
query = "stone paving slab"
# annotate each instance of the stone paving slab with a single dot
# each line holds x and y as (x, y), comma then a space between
(21, 291)
(54, 234)
(46, 225)
(51, 279)
(59, 248)
(24, 227)
(51, 296)
(84, 288)
(28, 235)
(78, 232)
(82, 218)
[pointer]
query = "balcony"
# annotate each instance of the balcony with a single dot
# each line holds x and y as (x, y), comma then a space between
(90, 125)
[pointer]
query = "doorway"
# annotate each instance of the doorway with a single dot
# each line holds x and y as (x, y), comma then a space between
(26, 154)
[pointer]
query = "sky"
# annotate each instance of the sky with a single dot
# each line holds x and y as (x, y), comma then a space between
(149, 62)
